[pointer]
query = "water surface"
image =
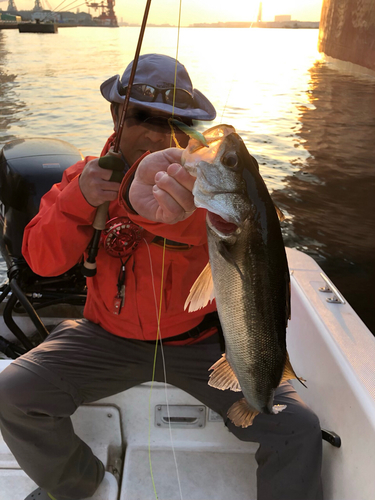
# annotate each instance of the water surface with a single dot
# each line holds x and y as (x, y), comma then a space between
(311, 129)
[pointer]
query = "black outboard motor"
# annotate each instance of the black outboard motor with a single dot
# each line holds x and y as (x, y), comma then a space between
(28, 169)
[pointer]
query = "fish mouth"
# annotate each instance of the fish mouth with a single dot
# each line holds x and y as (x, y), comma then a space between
(221, 224)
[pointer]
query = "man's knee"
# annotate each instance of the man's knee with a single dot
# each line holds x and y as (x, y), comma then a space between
(307, 422)
(14, 382)
(297, 422)
(24, 390)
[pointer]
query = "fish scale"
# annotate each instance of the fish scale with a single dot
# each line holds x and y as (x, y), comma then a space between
(246, 334)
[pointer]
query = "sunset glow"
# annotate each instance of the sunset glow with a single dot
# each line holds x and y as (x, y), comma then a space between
(193, 11)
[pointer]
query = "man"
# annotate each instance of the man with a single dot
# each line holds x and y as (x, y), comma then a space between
(112, 348)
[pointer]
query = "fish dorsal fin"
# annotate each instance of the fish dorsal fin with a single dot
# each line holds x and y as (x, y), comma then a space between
(202, 291)
(223, 377)
(289, 372)
(280, 214)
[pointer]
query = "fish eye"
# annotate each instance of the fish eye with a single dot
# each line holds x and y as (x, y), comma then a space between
(229, 160)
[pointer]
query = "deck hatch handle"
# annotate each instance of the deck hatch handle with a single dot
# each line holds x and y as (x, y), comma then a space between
(180, 416)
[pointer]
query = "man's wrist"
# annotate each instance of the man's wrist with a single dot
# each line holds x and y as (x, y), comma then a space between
(123, 194)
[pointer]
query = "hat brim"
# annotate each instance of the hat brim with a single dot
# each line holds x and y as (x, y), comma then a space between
(204, 110)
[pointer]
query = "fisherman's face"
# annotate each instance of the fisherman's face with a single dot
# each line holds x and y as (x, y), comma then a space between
(145, 130)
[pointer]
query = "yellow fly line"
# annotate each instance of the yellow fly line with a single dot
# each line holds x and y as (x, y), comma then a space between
(173, 135)
(153, 369)
(158, 333)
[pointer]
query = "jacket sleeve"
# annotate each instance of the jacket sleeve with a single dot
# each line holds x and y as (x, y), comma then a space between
(56, 238)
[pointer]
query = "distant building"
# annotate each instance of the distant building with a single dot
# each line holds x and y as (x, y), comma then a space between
(4, 16)
(282, 19)
(84, 18)
(68, 17)
(44, 15)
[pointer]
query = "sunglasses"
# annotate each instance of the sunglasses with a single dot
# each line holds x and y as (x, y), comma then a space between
(181, 98)
(142, 117)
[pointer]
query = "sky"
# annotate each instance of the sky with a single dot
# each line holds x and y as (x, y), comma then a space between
(194, 11)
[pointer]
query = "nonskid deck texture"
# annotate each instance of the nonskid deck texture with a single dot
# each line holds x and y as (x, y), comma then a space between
(211, 462)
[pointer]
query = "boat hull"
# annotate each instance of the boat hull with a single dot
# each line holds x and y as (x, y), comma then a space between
(37, 28)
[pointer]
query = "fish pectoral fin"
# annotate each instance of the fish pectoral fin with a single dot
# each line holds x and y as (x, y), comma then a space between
(202, 292)
(289, 372)
(225, 253)
(241, 413)
(223, 377)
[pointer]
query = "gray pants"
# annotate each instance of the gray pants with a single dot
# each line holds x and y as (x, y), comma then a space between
(80, 363)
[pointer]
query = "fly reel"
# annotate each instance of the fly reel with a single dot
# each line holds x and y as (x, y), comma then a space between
(121, 236)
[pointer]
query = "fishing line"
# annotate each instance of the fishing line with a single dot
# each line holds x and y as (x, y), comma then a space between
(158, 315)
(158, 312)
(173, 135)
(164, 371)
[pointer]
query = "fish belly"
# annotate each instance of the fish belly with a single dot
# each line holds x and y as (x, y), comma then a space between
(250, 318)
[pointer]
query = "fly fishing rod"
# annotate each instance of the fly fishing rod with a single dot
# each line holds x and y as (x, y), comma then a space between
(112, 161)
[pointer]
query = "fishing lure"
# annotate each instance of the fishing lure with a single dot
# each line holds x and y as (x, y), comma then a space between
(190, 131)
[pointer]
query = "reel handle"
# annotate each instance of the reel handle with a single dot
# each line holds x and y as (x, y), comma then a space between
(112, 161)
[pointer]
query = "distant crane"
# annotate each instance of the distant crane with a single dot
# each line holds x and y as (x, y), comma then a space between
(108, 16)
(12, 6)
(38, 6)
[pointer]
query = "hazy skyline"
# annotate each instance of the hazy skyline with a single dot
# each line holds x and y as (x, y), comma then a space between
(193, 11)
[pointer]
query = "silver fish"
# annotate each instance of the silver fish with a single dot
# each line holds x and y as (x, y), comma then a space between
(247, 272)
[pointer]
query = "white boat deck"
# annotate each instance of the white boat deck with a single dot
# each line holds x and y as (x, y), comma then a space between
(329, 346)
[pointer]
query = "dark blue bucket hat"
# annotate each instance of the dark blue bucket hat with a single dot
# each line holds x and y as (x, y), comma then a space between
(159, 71)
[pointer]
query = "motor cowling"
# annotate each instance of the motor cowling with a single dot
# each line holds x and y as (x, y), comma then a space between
(28, 169)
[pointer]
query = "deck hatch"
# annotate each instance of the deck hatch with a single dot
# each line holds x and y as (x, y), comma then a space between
(180, 416)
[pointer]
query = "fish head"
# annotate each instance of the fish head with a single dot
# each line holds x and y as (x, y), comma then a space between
(220, 186)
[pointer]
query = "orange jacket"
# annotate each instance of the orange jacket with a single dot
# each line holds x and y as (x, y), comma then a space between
(63, 230)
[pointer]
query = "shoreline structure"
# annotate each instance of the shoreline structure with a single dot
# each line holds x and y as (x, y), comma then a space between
(13, 24)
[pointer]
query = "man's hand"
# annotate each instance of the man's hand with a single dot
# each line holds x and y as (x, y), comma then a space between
(95, 185)
(161, 189)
